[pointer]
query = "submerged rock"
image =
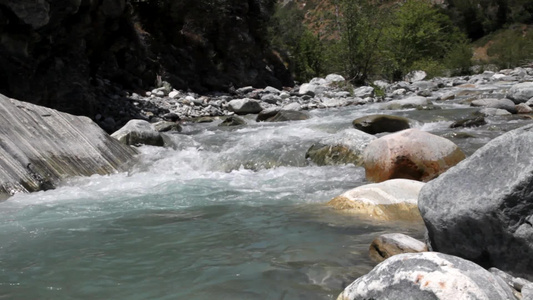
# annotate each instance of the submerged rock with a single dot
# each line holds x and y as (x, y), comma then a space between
(381, 123)
(482, 208)
(411, 154)
(40, 146)
(232, 121)
(470, 122)
(288, 115)
(428, 275)
(390, 200)
(328, 155)
(390, 244)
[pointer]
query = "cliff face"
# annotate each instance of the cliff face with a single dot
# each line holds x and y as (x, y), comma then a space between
(74, 55)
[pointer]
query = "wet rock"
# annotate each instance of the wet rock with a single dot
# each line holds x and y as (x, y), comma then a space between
(469, 122)
(244, 106)
(390, 244)
(288, 115)
(40, 147)
(410, 102)
(394, 199)
(494, 112)
(166, 126)
(428, 275)
(267, 113)
(232, 121)
(521, 92)
(381, 123)
(447, 96)
(330, 155)
(481, 209)
(523, 108)
(139, 132)
(411, 154)
(506, 104)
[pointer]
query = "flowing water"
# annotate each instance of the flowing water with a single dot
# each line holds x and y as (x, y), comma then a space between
(228, 213)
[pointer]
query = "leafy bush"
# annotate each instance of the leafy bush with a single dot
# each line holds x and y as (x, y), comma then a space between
(512, 48)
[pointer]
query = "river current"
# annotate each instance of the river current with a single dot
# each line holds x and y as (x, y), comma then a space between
(227, 213)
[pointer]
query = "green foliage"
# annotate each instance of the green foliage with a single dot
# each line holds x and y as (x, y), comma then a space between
(512, 48)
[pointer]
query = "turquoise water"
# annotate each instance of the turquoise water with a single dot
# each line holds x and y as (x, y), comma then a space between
(228, 213)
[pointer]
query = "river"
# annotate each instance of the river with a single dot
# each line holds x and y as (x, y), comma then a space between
(228, 213)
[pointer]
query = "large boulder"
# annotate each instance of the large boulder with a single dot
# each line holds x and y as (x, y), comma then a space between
(521, 92)
(394, 199)
(411, 154)
(139, 132)
(40, 146)
(482, 209)
(428, 276)
(381, 123)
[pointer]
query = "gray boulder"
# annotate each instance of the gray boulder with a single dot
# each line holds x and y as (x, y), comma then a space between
(410, 102)
(139, 132)
(244, 106)
(288, 115)
(40, 146)
(381, 123)
(428, 276)
(494, 112)
(267, 113)
(363, 92)
(334, 78)
(506, 104)
(521, 92)
(482, 210)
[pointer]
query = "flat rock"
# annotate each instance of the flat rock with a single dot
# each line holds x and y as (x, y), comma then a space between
(428, 275)
(40, 146)
(394, 199)
(481, 209)
(410, 154)
(390, 244)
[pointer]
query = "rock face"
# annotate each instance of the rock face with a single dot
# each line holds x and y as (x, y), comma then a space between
(40, 146)
(381, 123)
(71, 54)
(390, 244)
(390, 200)
(411, 154)
(139, 132)
(428, 275)
(482, 209)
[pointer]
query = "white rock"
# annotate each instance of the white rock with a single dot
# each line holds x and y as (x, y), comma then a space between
(363, 92)
(331, 78)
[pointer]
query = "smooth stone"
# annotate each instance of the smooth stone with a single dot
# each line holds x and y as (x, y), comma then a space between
(521, 92)
(334, 78)
(428, 275)
(481, 208)
(165, 126)
(494, 112)
(138, 132)
(381, 123)
(409, 102)
(506, 104)
(523, 108)
(410, 154)
(244, 106)
(272, 90)
(394, 199)
(390, 244)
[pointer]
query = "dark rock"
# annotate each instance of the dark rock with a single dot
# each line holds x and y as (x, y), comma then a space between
(428, 275)
(233, 121)
(390, 244)
(381, 123)
(326, 155)
(481, 209)
(265, 114)
(506, 104)
(470, 122)
(288, 115)
(39, 147)
(165, 126)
